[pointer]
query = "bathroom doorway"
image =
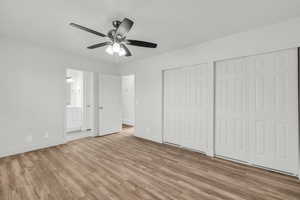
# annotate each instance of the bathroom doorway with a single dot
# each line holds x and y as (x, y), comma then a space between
(79, 104)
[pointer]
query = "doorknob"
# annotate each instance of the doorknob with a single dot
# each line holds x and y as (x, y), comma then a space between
(100, 107)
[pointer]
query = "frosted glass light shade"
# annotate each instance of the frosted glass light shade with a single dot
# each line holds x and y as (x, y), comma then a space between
(122, 52)
(109, 50)
(116, 47)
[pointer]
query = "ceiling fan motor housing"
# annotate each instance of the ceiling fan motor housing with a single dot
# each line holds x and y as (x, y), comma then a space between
(116, 23)
(111, 34)
(114, 36)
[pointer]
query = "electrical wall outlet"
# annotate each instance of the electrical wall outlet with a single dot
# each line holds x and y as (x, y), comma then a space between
(148, 130)
(46, 135)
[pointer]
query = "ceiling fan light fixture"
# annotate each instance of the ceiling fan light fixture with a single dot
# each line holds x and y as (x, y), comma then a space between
(116, 47)
(109, 50)
(122, 52)
(118, 42)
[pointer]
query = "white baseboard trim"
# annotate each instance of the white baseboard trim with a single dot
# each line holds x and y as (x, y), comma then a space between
(78, 135)
(210, 153)
(73, 129)
(27, 148)
(110, 131)
(128, 122)
(256, 166)
(149, 139)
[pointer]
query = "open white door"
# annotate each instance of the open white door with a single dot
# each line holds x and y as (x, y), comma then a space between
(110, 109)
(88, 101)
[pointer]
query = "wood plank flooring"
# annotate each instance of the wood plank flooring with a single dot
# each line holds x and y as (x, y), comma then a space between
(123, 167)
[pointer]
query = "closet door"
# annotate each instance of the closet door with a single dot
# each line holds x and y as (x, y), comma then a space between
(257, 110)
(188, 106)
(232, 110)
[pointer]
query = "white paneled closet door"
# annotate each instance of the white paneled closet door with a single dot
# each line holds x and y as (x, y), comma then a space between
(257, 110)
(188, 106)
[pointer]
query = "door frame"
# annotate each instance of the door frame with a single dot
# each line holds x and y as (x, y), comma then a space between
(82, 134)
(298, 112)
(87, 74)
(134, 93)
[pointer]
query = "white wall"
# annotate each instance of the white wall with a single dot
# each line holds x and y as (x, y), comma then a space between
(128, 99)
(148, 72)
(32, 99)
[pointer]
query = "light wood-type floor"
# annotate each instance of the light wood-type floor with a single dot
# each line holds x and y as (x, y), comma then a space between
(121, 166)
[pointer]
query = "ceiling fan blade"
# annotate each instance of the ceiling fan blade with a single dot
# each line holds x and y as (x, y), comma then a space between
(128, 53)
(141, 43)
(99, 45)
(124, 27)
(87, 29)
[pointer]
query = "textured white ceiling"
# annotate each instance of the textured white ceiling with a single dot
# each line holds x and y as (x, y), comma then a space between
(173, 24)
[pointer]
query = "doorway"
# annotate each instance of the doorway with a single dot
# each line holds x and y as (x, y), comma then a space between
(79, 104)
(128, 103)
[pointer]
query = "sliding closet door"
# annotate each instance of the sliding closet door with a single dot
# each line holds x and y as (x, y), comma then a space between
(232, 109)
(257, 110)
(188, 106)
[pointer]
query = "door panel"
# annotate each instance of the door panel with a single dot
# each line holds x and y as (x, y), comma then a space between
(88, 101)
(110, 109)
(232, 120)
(257, 110)
(188, 108)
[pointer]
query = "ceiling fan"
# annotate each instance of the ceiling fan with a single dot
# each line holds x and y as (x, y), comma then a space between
(117, 36)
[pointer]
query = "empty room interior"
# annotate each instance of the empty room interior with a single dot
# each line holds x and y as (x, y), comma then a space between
(149, 100)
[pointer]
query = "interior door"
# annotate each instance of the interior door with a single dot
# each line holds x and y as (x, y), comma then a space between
(110, 108)
(88, 101)
(257, 110)
(188, 106)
